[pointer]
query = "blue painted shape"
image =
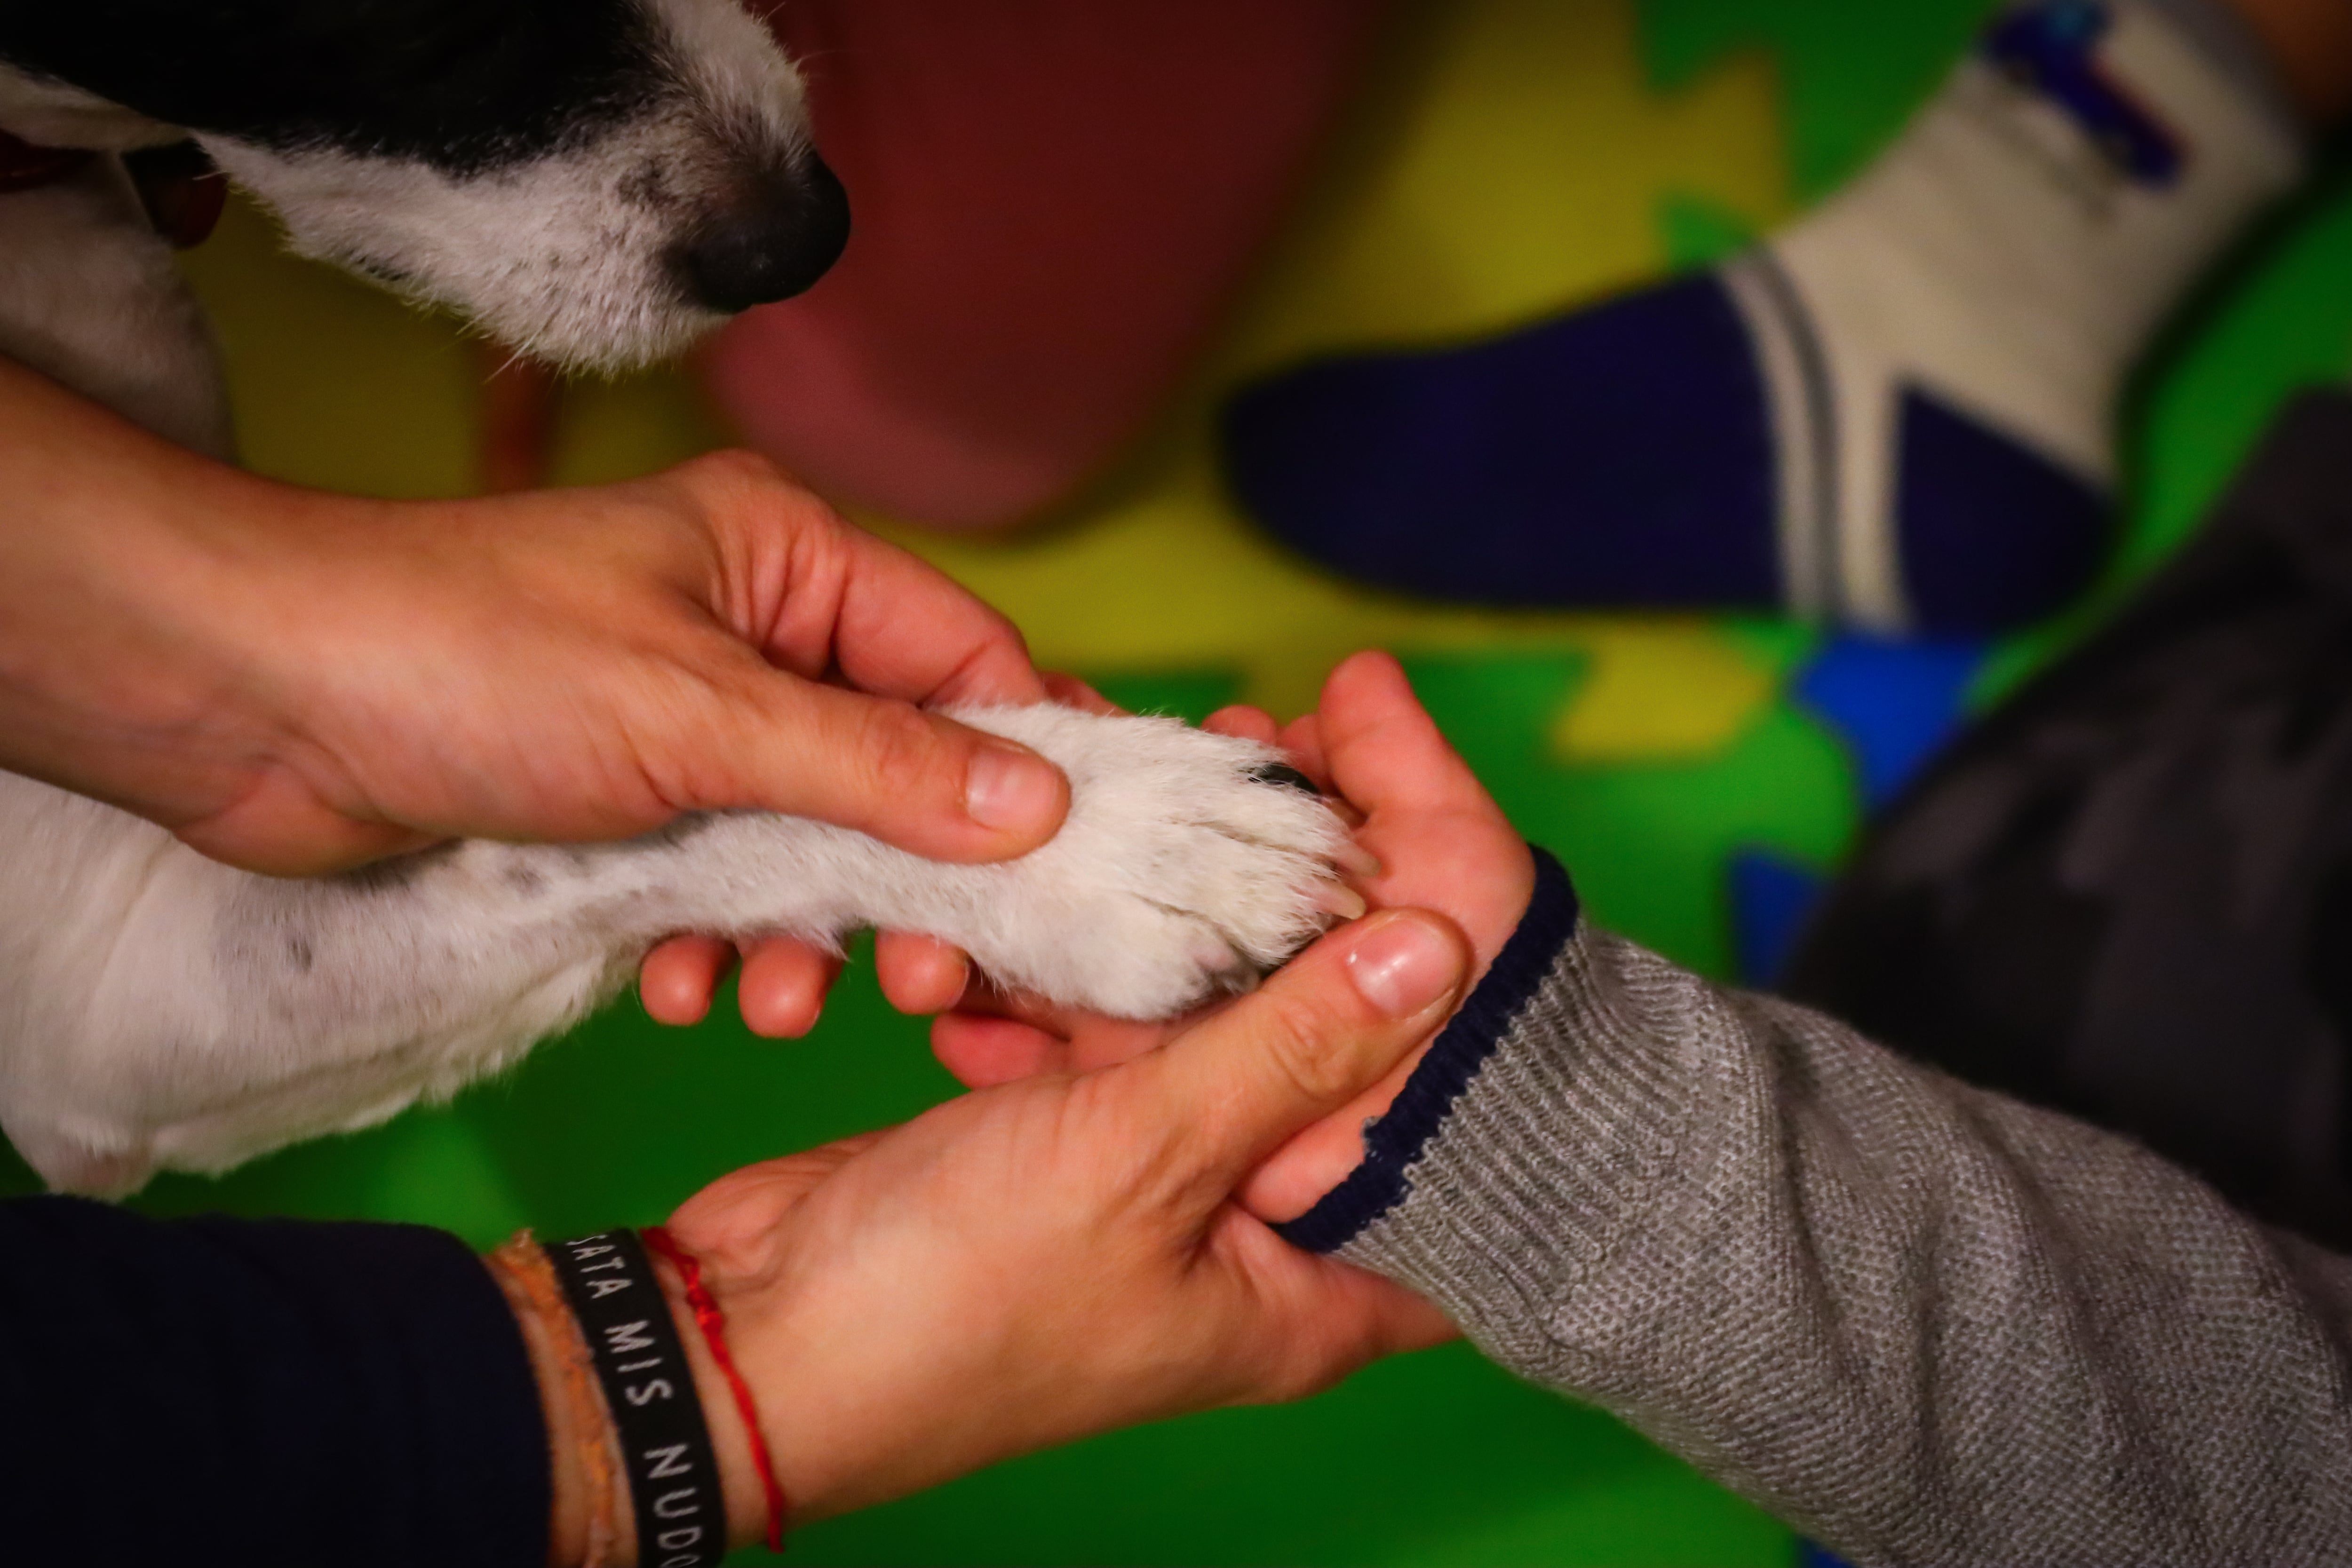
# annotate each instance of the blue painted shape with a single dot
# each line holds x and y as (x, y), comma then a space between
(1892, 703)
(1811, 1555)
(2053, 49)
(1770, 898)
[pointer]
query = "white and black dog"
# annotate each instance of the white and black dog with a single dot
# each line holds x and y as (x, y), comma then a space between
(596, 180)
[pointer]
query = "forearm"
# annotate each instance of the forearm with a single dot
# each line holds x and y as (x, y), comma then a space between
(1928, 1324)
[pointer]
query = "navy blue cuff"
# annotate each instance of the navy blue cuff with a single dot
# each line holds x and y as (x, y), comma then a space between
(1396, 1140)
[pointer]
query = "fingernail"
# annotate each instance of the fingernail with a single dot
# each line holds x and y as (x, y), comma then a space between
(1402, 965)
(1009, 790)
(1356, 860)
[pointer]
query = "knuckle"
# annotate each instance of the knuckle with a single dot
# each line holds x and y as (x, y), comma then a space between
(902, 751)
(735, 482)
(1005, 630)
(737, 465)
(1294, 1037)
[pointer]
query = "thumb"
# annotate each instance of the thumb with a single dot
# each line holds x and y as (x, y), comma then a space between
(1231, 1090)
(919, 780)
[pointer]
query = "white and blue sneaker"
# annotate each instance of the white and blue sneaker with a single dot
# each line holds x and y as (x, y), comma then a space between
(1897, 414)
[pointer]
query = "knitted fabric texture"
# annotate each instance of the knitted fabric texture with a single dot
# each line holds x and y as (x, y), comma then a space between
(1923, 1323)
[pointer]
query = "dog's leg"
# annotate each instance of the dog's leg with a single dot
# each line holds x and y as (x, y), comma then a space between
(176, 1012)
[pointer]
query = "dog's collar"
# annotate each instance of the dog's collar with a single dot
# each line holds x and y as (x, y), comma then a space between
(24, 166)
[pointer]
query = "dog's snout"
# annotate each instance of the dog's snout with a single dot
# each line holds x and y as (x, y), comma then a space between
(769, 247)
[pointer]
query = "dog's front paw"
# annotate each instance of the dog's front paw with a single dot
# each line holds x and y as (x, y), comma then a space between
(1191, 864)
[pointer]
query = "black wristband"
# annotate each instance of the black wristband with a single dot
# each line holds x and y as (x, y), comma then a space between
(649, 1384)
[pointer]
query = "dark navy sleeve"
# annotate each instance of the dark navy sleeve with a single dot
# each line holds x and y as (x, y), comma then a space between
(259, 1393)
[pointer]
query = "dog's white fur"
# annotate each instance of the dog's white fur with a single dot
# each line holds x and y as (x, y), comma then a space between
(159, 1009)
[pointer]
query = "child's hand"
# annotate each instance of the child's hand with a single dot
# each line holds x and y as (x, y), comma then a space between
(1046, 1260)
(1440, 844)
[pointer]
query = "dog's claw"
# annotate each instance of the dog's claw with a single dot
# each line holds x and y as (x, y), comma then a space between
(1340, 900)
(1284, 776)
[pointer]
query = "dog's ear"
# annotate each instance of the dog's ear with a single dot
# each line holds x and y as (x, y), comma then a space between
(46, 113)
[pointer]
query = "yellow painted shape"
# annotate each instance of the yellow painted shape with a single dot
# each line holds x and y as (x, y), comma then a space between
(1509, 160)
(1511, 163)
(1661, 691)
(335, 383)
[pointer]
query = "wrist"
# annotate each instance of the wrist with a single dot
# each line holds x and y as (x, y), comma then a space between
(591, 1522)
(667, 1455)
(847, 1422)
(822, 1410)
(740, 1460)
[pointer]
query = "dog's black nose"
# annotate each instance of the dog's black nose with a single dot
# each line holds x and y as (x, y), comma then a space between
(771, 247)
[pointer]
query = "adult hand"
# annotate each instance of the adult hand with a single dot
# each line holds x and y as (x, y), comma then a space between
(1056, 1257)
(1439, 842)
(295, 682)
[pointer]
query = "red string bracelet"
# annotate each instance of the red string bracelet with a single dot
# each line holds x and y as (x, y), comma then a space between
(713, 1324)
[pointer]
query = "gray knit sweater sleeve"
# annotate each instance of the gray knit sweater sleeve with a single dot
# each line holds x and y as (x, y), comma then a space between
(1918, 1320)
